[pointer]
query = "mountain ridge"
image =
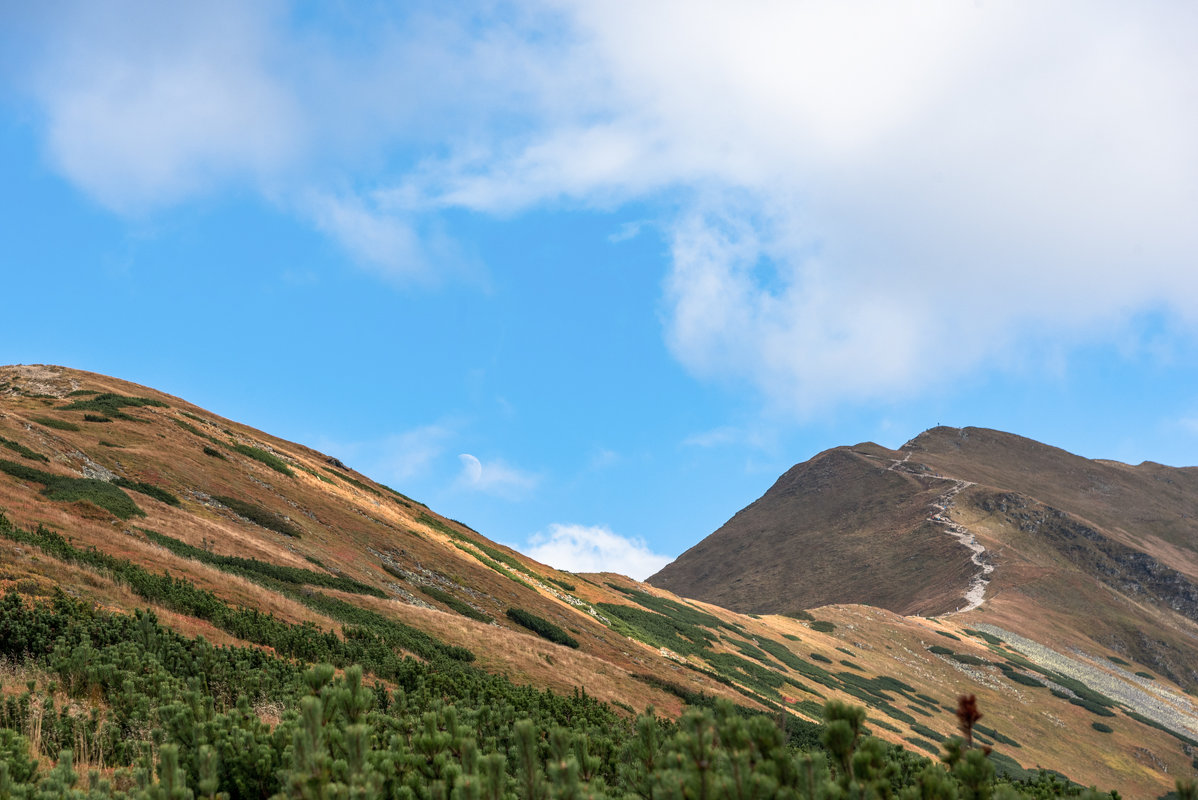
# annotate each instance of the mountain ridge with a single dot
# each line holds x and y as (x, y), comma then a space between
(370, 564)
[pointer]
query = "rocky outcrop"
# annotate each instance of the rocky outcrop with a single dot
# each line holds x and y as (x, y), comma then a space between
(1123, 568)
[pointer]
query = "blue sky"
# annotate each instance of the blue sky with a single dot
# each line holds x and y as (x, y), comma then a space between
(590, 276)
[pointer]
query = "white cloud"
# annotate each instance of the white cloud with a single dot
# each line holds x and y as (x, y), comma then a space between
(582, 548)
(866, 198)
(147, 104)
(495, 477)
(876, 198)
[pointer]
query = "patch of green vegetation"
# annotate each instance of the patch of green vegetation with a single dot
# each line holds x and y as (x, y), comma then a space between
(780, 652)
(495, 565)
(569, 587)
(317, 475)
(948, 635)
(445, 598)
(492, 552)
(148, 489)
(541, 627)
(350, 479)
(821, 657)
(1091, 706)
(1147, 675)
(22, 450)
(686, 614)
(922, 744)
(925, 731)
(196, 431)
(253, 568)
(792, 637)
(1119, 661)
(989, 638)
(800, 614)
(269, 459)
(823, 626)
(104, 443)
(918, 709)
(211, 451)
(970, 659)
(1018, 677)
(70, 490)
(658, 629)
(996, 736)
(751, 650)
(850, 665)
(82, 393)
(404, 500)
(1102, 727)
(260, 516)
(1154, 724)
(940, 650)
(762, 680)
(110, 405)
(57, 424)
(95, 418)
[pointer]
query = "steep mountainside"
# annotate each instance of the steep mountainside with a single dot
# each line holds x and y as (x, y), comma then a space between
(1087, 552)
(127, 499)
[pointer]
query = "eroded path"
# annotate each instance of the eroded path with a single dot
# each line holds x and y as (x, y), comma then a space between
(976, 593)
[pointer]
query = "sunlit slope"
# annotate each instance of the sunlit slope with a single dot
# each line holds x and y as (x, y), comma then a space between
(126, 483)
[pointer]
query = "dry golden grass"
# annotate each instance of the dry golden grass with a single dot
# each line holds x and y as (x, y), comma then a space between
(346, 527)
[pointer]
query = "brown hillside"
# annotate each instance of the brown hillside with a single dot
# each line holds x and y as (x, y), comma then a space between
(154, 482)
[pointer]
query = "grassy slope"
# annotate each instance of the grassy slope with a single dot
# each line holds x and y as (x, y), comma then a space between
(350, 524)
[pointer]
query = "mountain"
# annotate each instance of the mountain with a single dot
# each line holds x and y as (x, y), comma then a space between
(129, 516)
(1093, 553)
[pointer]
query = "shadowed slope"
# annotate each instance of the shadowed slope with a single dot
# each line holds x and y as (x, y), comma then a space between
(844, 527)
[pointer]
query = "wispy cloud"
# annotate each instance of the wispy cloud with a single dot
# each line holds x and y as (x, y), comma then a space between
(495, 477)
(397, 457)
(583, 548)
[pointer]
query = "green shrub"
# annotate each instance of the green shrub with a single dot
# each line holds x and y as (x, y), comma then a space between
(22, 450)
(1102, 727)
(95, 418)
(940, 650)
(57, 424)
(948, 635)
(970, 659)
(269, 459)
(352, 481)
(253, 568)
(1119, 661)
(658, 629)
(541, 627)
(260, 516)
(820, 657)
(1147, 675)
(800, 614)
(110, 405)
(989, 638)
(69, 490)
(211, 451)
(148, 489)
(569, 587)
